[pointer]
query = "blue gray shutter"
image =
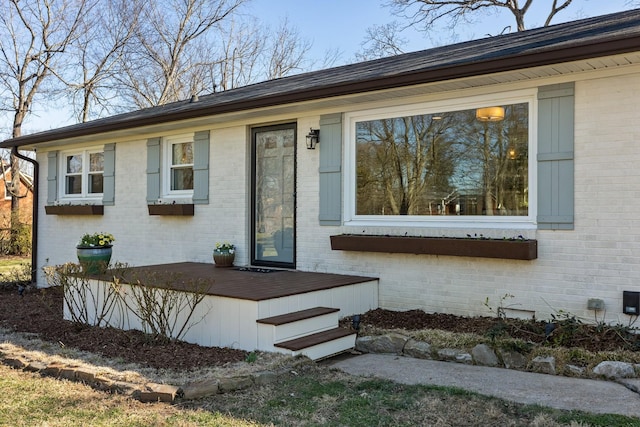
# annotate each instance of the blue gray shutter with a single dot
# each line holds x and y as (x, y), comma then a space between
(555, 157)
(109, 175)
(201, 168)
(52, 177)
(153, 170)
(330, 147)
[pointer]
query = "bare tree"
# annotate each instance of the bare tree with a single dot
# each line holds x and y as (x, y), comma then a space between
(34, 36)
(241, 45)
(250, 52)
(286, 51)
(381, 41)
(162, 61)
(426, 13)
(385, 40)
(98, 52)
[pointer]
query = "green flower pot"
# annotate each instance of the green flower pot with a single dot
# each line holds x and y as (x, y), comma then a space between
(94, 260)
(223, 259)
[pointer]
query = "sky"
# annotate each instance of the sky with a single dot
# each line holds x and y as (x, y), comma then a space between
(342, 25)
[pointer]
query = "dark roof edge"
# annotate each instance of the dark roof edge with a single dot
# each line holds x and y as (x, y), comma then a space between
(568, 53)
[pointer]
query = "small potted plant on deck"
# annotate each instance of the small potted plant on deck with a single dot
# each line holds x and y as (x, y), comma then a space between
(224, 254)
(94, 252)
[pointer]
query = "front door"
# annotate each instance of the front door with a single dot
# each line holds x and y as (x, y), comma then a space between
(273, 196)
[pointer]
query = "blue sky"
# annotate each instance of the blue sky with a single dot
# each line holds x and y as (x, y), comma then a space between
(342, 24)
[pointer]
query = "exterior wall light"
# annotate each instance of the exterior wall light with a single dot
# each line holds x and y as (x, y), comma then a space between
(313, 138)
(355, 321)
(490, 114)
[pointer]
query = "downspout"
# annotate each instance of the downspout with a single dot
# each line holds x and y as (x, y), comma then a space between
(34, 214)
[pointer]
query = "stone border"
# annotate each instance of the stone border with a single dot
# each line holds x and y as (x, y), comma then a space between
(390, 343)
(484, 355)
(150, 391)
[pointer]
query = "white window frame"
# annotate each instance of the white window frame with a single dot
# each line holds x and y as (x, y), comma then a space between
(472, 221)
(167, 145)
(62, 173)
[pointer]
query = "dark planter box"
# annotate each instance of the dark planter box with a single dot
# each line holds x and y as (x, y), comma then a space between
(176, 209)
(451, 246)
(74, 210)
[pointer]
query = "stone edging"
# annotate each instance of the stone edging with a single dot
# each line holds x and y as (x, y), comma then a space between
(148, 392)
(393, 343)
(484, 355)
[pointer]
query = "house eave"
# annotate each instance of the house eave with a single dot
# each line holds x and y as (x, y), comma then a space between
(542, 56)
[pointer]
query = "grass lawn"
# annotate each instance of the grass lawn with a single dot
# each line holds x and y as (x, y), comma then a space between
(14, 269)
(33, 400)
(314, 396)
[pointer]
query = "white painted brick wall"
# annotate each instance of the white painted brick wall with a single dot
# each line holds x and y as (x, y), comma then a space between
(599, 259)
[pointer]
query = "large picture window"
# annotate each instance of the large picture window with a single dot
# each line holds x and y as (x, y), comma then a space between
(83, 173)
(444, 165)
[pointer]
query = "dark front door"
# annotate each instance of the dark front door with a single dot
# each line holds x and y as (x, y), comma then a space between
(273, 196)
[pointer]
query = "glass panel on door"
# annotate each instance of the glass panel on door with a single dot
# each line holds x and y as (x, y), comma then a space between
(274, 196)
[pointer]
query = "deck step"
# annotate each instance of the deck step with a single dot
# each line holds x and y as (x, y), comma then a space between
(297, 316)
(315, 339)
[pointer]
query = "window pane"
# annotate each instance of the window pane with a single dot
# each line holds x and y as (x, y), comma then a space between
(96, 162)
(182, 179)
(182, 154)
(73, 184)
(451, 163)
(74, 164)
(95, 183)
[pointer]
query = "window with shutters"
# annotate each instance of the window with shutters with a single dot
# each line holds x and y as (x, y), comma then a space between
(177, 176)
(463, 163)
(82, 174)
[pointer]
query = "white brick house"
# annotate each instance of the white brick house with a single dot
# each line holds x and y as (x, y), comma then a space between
(575, 87)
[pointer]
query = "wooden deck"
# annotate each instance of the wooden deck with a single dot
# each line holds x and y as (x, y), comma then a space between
(285, 311)
(246, 284)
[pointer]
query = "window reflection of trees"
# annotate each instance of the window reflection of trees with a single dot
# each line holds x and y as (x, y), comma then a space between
(443, 164)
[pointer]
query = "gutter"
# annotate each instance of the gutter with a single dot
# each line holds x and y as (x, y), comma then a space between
(34, 214)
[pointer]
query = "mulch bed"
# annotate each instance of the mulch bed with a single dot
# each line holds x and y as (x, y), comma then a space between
(40, 312)
(565, 331)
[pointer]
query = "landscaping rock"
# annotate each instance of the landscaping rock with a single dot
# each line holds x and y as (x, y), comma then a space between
(574, 371)
(35, 367)
(158, 393)
(465, 358)
(448, 354)
(513, 359)
(86, 375)
(68, 373)
(388, 343)
(484, 355)
(122, 387)
(544, 365)
(610, 369)
(52, 370)
(418, 349)
(203, 388)
(234, 383)
(15, 362)
(453, 355)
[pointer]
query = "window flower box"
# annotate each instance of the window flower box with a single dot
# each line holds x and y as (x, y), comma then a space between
(522, 249)
(177, 209)
(74, 210)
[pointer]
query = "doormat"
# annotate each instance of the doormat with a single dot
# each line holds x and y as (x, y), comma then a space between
(255, 269)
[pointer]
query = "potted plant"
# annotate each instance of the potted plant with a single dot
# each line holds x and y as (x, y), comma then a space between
(94, 252)
(224, 254)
